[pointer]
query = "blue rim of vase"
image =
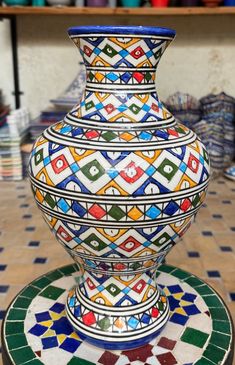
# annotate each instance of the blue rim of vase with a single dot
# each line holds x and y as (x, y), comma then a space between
(122, 29)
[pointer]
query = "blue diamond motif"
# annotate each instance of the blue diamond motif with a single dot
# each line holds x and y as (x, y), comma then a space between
(153, 212)
(46, 160)
(63, 205)
(123, 53)
(171, 208)
(74, 167)
(146, 108)
(146, 136)
(113, 246)
(113, 173)
(150, 170)
(133, 322)
(49, 342)
(183, 167)
(112, 76)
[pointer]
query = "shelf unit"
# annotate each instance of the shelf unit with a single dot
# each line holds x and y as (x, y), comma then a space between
(147, 11)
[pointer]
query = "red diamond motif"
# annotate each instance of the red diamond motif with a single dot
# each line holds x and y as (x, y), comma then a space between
(138, 76)
(87, 51)
(108, 358)
(109, 108)
(63, 234)
(166, 343)
(96, 211)
(89, 319)
(130, 244)
(59, 164)
(120, 266)
(137, 52)
(90, 284)
(91, 134)
(131, 173)
(185, 205)
(155, 107)
(139, 286)
(155, 312)
(193, 163)
(172, 132)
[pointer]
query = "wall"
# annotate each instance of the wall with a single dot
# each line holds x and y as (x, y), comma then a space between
(201, 59)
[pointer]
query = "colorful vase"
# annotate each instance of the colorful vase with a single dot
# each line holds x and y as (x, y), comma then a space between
(119, 182)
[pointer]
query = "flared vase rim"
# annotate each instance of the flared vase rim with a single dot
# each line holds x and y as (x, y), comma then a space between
(122, 29)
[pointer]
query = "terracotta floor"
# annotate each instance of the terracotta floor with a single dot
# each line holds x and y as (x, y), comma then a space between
(27, 248)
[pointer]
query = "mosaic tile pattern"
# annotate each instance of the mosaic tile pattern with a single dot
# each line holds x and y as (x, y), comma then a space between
(37, 329)
(216, 251)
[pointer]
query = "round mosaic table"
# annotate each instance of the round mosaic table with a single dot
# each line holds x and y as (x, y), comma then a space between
(36, 331)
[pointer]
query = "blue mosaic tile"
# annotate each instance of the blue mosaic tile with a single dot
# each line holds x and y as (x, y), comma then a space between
(188, 297)
(24, 205)
(193, 254)
(62, 326)
(232, 296)
(34, 243)
(217, 216)
(40, 260)
(3, 267)
(213, 274)
(57, 308)
(49, 342)
(175, 289)
(4, 288)
(226, 248)
(191, 310)
(226, 202)
(70, 345)
(1, 249)
(179, 319)
(21, 196)
(212, 192)
(38, 330)
(30, 229)
(207, 233)
(44, 316)
(232, 229)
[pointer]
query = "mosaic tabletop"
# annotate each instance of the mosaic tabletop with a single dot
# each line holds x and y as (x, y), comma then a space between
(36, 330)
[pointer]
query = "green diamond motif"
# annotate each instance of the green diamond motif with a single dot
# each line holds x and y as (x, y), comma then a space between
(113, 290)
(180, 130)
(104, 323)
(109, 51)
(167, 169)
(148, 76)
(93, 170)
(95, 242)
(91, 76)
(205, 155)
(158, 53)
(116, 213)
(196, 200)
(50, 201)
(162, 239)
(108, 136)
(89, 105)
(78, 361)
(38, 157)
(194, 337)
(134, 108)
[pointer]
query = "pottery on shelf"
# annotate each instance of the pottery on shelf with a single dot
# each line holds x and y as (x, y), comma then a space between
(119, 182)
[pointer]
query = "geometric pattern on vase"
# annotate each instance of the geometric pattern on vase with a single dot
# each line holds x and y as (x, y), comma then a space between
(119, 181)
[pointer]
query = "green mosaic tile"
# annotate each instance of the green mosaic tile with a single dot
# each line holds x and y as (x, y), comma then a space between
(194, 282)
(166, 268)
(16, 314)
(54, 275)
(214, 353)
(212, 301)
(52, 292)
(30, 292)
(14, 327)
(22, 302)
(34, 362)
(219, 313)
(67, 270)
(204, 361)
(220, 340)
(42, 282)
(221, 326)
(15, 341)
(22, 355)
(194, 337)
(78, 361)
(181, 274)
(204, 290)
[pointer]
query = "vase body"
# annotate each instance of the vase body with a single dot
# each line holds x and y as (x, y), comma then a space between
(119, 182)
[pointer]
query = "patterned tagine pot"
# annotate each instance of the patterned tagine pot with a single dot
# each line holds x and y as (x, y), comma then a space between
(119, 182)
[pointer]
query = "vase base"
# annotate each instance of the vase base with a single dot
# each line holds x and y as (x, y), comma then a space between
(117, 328)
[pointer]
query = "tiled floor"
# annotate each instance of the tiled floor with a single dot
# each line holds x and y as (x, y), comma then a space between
(27, 248)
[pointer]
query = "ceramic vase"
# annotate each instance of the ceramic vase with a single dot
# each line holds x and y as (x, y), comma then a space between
(119, 182)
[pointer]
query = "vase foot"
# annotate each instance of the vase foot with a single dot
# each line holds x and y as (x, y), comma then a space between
(117, 328)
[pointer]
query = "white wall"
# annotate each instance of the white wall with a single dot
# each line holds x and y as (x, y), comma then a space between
(199, 61)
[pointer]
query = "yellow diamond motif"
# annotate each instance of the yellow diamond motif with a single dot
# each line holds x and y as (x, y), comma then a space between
(99, 76)
(135, 213)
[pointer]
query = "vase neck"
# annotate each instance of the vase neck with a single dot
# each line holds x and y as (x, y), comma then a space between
(120, 85)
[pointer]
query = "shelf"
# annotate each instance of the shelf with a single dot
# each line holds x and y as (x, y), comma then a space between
(29, 10)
